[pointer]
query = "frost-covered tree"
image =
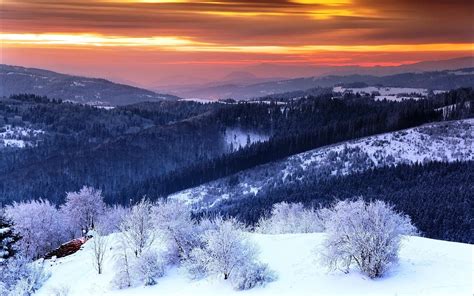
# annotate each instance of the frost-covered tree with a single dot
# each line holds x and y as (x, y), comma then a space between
(19, 277)
(99, 250)
(225, 248)
(38, 224)
(172, 219)
(290, 218)
(83, 208)
(109, 222)
(137, 227)
(367, 234)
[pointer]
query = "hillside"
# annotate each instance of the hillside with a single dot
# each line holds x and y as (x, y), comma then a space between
(445, 141)
(426, 267)
(170, 146)
(94, 91)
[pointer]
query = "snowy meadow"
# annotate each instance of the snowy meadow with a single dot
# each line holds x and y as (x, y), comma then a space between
(352, 247)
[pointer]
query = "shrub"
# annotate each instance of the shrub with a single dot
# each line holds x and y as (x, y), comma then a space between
(252, 275)
(149, 267)
(290, 218)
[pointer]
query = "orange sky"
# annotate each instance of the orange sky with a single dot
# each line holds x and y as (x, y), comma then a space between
(156, 42)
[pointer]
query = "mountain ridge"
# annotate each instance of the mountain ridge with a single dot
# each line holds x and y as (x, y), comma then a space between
(79, 89)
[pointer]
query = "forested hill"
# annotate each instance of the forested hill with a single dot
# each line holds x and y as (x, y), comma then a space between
(94, 91)
(443, 141)
(49, 147)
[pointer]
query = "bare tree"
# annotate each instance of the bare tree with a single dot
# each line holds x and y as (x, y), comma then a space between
(99, 248)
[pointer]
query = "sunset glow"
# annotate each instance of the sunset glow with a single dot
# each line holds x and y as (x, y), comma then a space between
(184, 44)
(218, 35)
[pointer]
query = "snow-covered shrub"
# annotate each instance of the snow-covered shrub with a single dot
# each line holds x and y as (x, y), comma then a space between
(252, 275)
(197, 263)
(367, 234)
(83, 208)
(19, 277)
(172, 219)
(38, 224)
(290, 218)
(225, 248)
(137, 227)
(109, 222)
(149, 267)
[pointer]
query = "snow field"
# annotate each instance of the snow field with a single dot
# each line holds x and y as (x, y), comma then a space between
(426, 267)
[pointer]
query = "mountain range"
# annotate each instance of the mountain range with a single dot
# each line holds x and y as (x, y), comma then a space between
(246, 83)
(250, 82)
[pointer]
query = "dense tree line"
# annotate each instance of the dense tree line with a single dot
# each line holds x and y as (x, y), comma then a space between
(438, 196)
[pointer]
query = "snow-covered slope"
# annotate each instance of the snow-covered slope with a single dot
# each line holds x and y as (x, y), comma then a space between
(444, 141)
(426, 267)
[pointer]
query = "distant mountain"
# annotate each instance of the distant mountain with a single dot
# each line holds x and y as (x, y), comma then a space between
(439, 80)
(200, 89)
(294, 71)
(241, 76)
(15, 80)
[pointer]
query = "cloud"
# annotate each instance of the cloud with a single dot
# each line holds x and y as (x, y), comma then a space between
(257, 22)
(172, 36)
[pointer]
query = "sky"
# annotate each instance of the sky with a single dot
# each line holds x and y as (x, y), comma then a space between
(159, 42)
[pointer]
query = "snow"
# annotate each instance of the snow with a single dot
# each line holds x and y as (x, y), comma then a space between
(450, 143)
(426, 267)
(14, 143)
(75, 83)
(105, 107)
(462, 72)
(236, 138)
(199, 100)
(388, 93)
(18, 136)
